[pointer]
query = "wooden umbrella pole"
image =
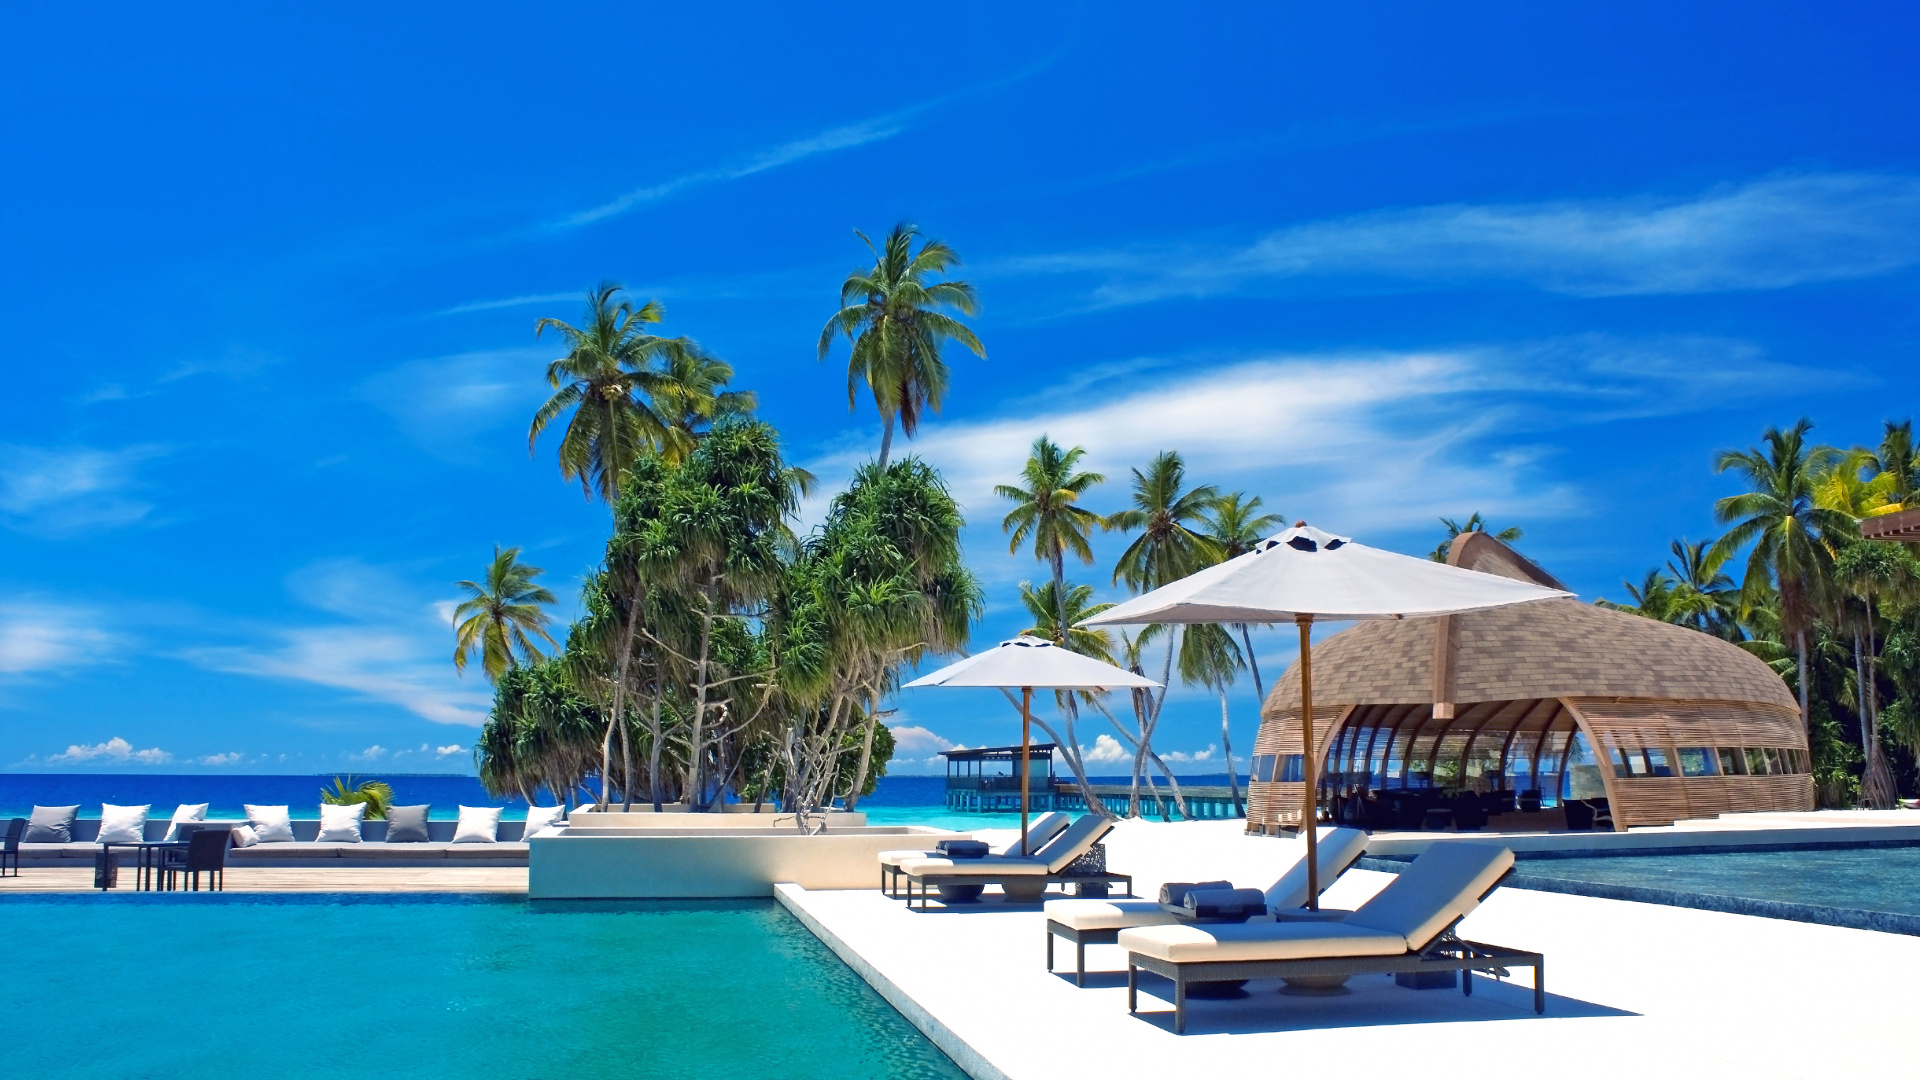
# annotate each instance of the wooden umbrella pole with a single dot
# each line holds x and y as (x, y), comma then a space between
(1309, 801)
(1026, 743)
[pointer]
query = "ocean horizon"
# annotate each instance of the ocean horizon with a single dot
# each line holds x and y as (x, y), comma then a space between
(896, 799)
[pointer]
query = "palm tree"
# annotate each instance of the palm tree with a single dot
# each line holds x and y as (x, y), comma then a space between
(500, 618)
(889, 314)
(603, 378)
(1236, 525)
(1209, 658)
(1704, 596)
(1869, 572)
(1474, 523)
(1788, 531)
(1899, 459)
(1048, 511)
(376, 795)
(1168, 548)
(689, 396)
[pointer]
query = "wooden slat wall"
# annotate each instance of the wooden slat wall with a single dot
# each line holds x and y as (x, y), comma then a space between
(1275, 803)
(1663, 800)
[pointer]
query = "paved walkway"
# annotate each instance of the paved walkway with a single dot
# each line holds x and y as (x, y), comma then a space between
(1636, 990)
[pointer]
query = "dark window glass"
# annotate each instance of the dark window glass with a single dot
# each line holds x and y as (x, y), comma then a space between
(1657, 762)
(1774, 767)
(1699, 761)
(1263, 768)
(1756, 762)
(1732, 761)
(1292, 769)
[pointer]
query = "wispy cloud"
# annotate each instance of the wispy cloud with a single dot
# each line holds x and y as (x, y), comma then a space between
(231, 757)
(62, 490)
(512, 302)
(843, 137)
(447, 403)
(391, 646)
(115, 751)
(449, 750)
(1775, 232)
(911, 740)
(38, 637)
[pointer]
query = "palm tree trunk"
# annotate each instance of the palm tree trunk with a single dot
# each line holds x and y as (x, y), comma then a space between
(654, 738)
(886, 441)
(1803, 677)
(1226, 747)
(1259, 690)
(697, 751)
(866, 751)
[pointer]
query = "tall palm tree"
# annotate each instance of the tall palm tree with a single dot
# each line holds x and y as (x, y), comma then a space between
(1209, 658)
(604, 378)
(1787, 530)
(890, 314)
(1704, 596)
(1048, 511)
(1899, 459)
(1165, 512)
(1873, 574)
(1474, 523)
(501, 617)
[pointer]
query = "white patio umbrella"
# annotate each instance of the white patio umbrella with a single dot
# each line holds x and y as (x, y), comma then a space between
(1305, 574)
(1026, 663)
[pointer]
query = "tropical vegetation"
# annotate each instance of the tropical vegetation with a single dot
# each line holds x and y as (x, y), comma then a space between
(375, 795)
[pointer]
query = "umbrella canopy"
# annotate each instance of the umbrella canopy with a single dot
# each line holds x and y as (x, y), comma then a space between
(1027, 662)
(1305, 571)
(1305, 574)
(1024, 663)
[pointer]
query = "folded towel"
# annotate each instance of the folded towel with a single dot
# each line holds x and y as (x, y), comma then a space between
(962, 849)
(1224, 905)
(1174, 893)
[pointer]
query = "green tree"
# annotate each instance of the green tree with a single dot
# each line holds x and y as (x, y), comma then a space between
(375, 795)
(1236, 524)
(891, 313)
(1897, 458)
(1872, 574)
(1474, 523)
(604, 379)
(500, 617)
(1787, 531)
(689, 396)
(1047, 511)
(1164, 512)
(1209, 658)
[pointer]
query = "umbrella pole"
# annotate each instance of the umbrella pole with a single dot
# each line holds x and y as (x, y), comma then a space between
(1310, 801)
(1026, 742)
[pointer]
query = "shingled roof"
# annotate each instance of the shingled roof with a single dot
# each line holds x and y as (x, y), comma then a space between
(1552, 648)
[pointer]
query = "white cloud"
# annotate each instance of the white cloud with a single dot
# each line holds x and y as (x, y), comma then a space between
(1181, 757)
(448, 750)
(843, 137)
(1775, 232)
(445, 403)
(45, 637)
(510, 302)
(910, 740)
(1106, 750)
(371, 753)
(232, 757)
(116, 751)
(71, 489)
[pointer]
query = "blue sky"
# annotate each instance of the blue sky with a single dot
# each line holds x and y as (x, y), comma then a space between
(270, 281)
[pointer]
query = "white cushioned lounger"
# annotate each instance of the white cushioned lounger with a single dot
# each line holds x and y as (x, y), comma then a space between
(1039, 833)
(1098, 922)
(1402, 928)
(1076, 840)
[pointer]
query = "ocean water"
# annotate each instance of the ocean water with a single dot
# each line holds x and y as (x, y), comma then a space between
(1867, 879)
(897, 800)
(223, 987)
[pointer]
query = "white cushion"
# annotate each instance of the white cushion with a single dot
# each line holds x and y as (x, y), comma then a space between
(990, 867)
(186, 812)
(1192, 942)
(244, 836)
(122, 824)
(271, 824)
(896, 858)
(1109, 914)
(478, 825)
(1038, 834)
(1337, 847)
(1444, 883)
(544, 821)
(341, 824)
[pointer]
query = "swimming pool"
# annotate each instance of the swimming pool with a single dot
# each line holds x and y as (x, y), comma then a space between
(438, 989)
(1863, 878)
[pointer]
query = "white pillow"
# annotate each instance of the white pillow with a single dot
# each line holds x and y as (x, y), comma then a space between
(271, 824)
(122, 824)
(544, 821)
(478, 825)
(186, 812)
(244, 836)
(341, 824)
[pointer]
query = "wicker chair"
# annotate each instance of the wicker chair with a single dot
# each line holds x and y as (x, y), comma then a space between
(206, 852)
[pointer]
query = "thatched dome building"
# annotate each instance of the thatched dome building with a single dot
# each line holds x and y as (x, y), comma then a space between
(1556, 705)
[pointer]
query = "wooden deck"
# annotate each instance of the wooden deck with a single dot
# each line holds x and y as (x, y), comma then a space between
(253, 879)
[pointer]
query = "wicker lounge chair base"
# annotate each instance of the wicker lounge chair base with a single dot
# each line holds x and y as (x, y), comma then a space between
(1465, 957)
(1022, 889)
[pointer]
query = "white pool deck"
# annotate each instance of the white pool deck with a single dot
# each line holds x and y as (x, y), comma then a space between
(1635, 990)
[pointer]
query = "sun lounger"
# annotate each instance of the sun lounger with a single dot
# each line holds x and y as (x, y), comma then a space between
(1023, 877)
(1099, 922)
(1406, 928)
(1038, 833)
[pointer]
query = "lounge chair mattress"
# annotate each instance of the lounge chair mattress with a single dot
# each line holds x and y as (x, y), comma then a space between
(989, 867)
(1198, 943)
(1109, 914)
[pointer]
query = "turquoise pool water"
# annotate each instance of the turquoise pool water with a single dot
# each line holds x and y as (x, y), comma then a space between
(436, 989)
(1868, 879)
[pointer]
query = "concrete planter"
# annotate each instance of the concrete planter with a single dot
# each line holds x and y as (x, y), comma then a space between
(732, 862)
